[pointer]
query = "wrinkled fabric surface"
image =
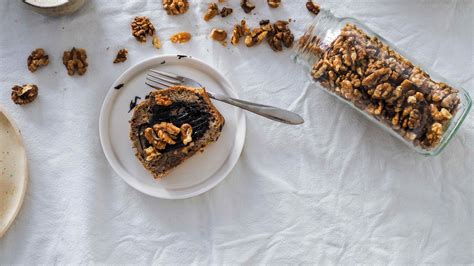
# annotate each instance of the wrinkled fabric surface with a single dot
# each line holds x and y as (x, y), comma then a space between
(336, 190)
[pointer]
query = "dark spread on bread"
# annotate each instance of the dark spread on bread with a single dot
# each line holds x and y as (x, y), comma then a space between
(178, 113)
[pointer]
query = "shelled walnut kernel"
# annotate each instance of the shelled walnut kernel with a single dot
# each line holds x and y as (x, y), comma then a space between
(75, 61)
(312, 7)
(141, 27)
(38, 58)
(225, 11)
(175, 7)
(219, 35)
(238, 32)
(121, 56)
(274, 3)
(24, 94)
(212, 11)
(247, 6)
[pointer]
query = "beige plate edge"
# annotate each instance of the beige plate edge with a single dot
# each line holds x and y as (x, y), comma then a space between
(17, 208)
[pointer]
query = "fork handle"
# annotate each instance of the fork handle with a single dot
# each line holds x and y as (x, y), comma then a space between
(270, 112)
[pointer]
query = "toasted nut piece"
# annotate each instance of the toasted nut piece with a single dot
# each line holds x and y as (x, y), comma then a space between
(186, 133)
(163, 100)
(225, 11)
(156, 42)
(24, 94)
(212, 11)
(167, 127)
(75, 61)
(121, 56)
(141, 27)
(151, 154)
(274, 3)
(166, 137)
(153, 139)
(239, 31)
(219, 35)
(181, 37)
(175, 7)
(38, 58)
(247, 6)
(312, 7)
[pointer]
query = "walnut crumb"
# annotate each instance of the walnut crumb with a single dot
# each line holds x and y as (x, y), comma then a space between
(156, 42)
(24, 94)
(38, 58)
(121, 56)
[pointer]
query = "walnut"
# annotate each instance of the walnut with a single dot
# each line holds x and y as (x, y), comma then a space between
(226, 11)
(212, 11)
(37, 59)
(376, 77)
(181, 37)
(274, 3)
(186, 133)
(434, 135)
(151, 154)
(156, 42)
(255, 37)
(24, 94)
(141, 27)
(219, 35)
(167, 127)
(75, 61)
(121, 56)
(153, 139)
(247, 6)
(450, 101)
(239, 31)
(438, 115)
(312, 7)
(382, 91)
(414, 119)
(175, 7)
(163, 100)
(347, 89)
(280, 35)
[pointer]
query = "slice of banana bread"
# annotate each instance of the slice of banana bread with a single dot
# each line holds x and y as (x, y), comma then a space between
(171, 125)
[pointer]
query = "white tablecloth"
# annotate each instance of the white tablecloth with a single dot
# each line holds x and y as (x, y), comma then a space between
(335, 190)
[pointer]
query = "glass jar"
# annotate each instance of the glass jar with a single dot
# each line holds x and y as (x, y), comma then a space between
(369, 73)
(55, 7)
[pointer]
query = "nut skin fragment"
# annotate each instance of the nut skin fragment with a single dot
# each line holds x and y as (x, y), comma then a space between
(226, 11)
(175, 7)
(24, 94)
(219, 35)
(212, 11)
(186, 133)
(75, 61)
(121, 56)
(38, 58)
(247, 6)
(156, 42)
(181, 37)
(141, 27)
(274, 3)
(312, 7)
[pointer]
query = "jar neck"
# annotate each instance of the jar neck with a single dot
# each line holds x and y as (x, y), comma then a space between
(320, 33)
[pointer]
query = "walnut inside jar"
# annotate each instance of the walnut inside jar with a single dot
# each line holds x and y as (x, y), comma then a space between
(363, 70)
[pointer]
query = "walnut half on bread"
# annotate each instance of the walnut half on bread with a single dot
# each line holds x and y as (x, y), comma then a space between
(171, 125)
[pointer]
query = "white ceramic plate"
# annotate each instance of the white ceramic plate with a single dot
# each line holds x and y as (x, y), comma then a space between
(13, 171)
(197, 174)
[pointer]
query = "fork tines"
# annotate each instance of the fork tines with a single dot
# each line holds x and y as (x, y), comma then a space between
(161, 80)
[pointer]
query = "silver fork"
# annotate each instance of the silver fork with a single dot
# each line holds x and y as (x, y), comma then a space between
(161, 80)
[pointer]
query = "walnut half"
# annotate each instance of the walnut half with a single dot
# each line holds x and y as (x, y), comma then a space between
(121, 56)
(75, 61)
(37, 59)
(141, 27)
(24, 94)
(175, 7)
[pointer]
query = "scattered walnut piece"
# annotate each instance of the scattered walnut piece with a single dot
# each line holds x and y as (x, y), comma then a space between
(255, 37)
(151, 154)
(219, 35)
(274, 3)
(175, 7)
(181, 37)
(24, 94)
(247, 6)
(280, 35)
(225, 11)
(212, 11)
(37, 59)
(239, 31)
(312, 7)
(156, 42)
(75, 61)
(141, 27)
(186, 133)
(121, 56)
